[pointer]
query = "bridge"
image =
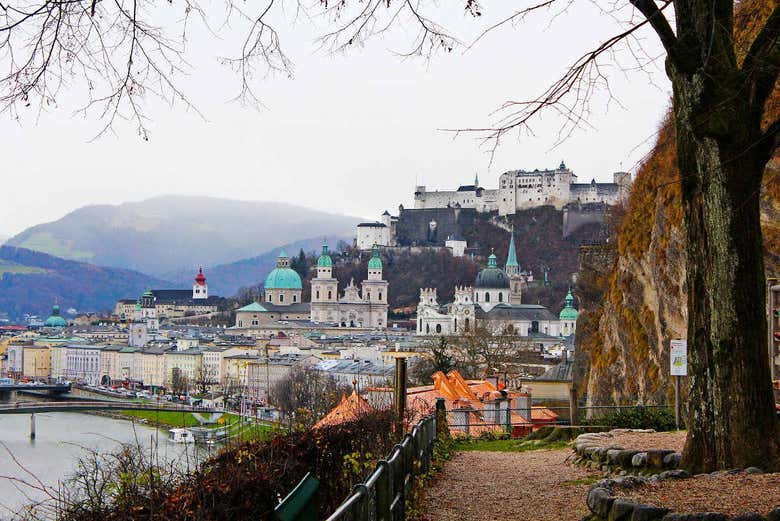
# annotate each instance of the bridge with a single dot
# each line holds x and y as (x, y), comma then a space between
(52, 388)
(97, 405)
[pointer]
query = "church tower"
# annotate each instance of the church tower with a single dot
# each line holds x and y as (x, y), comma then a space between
(200, 290)
(374, 290)
(513, 272)
(149, 310)
(324, 290)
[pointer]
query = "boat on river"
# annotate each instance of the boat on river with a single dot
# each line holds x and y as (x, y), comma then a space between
(181, 436)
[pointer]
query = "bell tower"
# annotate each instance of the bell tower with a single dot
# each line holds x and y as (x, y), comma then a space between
(513, 272)
(200, 290)
(324, 288)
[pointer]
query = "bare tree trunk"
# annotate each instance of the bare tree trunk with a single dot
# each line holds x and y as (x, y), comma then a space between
(732, 421)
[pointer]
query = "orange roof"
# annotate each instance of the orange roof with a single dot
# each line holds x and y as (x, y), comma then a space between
(349, 408)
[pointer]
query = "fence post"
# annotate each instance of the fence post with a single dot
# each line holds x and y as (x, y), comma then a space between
(574, 409)
(508, 419)
(442, 429)
(400, 395)
(384, 491)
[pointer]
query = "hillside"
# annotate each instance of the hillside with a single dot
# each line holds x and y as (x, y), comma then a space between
(30, 282)
(625, 337)
(174, 233)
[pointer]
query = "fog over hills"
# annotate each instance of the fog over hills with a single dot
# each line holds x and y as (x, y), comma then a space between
(170, 234)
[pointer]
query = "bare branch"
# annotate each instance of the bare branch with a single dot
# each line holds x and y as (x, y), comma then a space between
(658, 22)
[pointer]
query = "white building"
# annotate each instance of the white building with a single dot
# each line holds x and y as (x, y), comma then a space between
(82, 363)
(456, 244)
(521, 189)
(380, 233)
(493, 303)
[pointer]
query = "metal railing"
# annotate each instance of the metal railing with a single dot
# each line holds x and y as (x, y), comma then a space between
(384, 494)
(519, 422)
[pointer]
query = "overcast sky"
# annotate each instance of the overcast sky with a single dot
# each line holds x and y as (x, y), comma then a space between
(348, 133)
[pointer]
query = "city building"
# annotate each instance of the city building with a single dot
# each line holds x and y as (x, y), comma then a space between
(380, 232)
(172, 303)
(36, 362)
(493, 303)
(364, 307)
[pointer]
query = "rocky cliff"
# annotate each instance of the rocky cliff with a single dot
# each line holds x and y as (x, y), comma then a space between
(636, 303)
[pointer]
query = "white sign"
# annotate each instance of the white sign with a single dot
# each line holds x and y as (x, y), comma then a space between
(679, 358)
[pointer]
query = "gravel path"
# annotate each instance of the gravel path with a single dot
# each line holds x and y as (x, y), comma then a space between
(730, 494)
(499, 486)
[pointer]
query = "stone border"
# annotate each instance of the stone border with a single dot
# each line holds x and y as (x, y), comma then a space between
(605, 506)
(615, 459)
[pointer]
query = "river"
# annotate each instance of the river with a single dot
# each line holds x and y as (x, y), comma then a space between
(61, 439)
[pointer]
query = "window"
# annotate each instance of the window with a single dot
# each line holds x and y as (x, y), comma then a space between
(269, 298)
(427, 328)
(295, 298)
(240, 324)
(281, 297)
(487, 297)
(318, 294)
(380, 295)
(330, 295)
(500, 296)
(438, 328)
(466, 325)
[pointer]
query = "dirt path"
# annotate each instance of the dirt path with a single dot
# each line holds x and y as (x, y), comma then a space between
(501, 486)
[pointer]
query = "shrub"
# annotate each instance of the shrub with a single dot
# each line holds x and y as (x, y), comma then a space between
(657, 418)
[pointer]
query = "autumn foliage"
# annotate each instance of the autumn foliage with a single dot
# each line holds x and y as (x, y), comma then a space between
(245, 481)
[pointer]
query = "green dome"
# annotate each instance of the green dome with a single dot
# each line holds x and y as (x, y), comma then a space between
(148, 292)
(283, 278)
(568, 312)
(492, 276)
(55, 320)
(325, 261)
(375, 263)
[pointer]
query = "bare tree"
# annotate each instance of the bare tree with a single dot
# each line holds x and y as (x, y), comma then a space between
(305, 395)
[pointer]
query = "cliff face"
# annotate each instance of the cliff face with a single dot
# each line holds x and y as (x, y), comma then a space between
(624, 338)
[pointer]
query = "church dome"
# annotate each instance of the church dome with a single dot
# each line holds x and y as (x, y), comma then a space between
(375, 263)
(492, 276)
(325, 261)
(283, 276)
(55, 320)
(568, 312)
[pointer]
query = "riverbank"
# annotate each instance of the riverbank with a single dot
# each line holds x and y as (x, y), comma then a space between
(239, 429)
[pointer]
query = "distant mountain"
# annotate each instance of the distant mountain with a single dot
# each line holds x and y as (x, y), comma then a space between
(176, 233)
(225, 279)
(30, 282)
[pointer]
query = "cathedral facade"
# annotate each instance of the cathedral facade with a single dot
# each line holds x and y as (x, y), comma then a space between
(360, 307)
(493, 303)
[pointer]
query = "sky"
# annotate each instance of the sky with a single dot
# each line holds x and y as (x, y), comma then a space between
(350, 133)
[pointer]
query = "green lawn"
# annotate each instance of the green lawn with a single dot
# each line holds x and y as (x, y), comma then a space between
(186, 419)
(518, 445)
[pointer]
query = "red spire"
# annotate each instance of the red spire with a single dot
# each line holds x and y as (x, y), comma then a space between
(200, 278)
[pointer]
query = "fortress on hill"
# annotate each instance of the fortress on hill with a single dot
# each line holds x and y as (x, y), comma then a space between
(521, 189)
(440, 217)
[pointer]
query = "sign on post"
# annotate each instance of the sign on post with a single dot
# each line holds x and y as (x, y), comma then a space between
(679, 358)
